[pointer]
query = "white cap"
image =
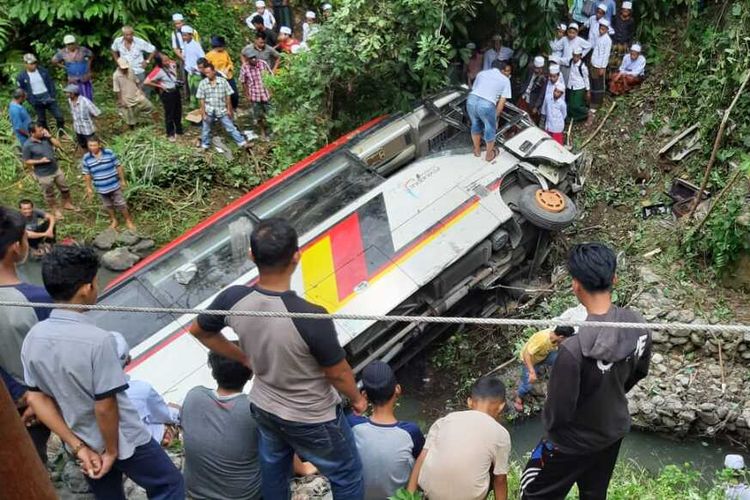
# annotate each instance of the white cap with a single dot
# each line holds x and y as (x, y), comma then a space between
(604, 22)
(177, 17)
(471, 45)
(554, 59)
(562, 26)
(554, 69)
(327, 6)
(286, 30)
(538, 62)
(186, 29)
(123, 349)
(69, 39)
(29, 58)
(627, 5)
(310, 14)
(497, 37)
(560, 86)
(123, 63)
(577, 51)
(735, 462)
(602, 7)
(573, 26)
(635, 47)
(260, 3)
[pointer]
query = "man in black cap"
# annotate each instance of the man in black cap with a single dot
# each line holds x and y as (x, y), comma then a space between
(388, 447)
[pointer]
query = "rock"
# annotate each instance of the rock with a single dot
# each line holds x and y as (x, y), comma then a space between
(128, 237)
(106, 239)
(647, 117)
(687, 415)
(714, 370)
(143, 247)
(679, 340)
(119, 259)
(666, 131)
(745, 355)
(648, 276)
(73, 479)
(697, 339)
(709, 418)
(659, 337)
(657, 359)
(707, 407)
(679, 333)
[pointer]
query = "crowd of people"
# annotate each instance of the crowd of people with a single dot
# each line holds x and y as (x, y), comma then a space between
(67, 376)
(567, 83)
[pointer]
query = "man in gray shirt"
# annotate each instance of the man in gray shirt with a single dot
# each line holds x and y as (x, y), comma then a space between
(220, 436)
(70, 363)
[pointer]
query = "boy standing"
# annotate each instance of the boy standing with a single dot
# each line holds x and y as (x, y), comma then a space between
(70, 363)
(555, 110)
(387, 446)
(540, 350)
(467, 451)
(103, 172)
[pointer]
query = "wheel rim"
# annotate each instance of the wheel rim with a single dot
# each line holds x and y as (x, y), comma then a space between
(551, 200)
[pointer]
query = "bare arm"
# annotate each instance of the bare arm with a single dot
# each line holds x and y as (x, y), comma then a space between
(414, 478)
(500, 106)
(51, 219)
(500, 487)
(203, 108)
(216, 341)
(47, 413)
(108, 421)
(341, 377)
(115, 56)
(230, 111)
(121, 175)
(529, 364)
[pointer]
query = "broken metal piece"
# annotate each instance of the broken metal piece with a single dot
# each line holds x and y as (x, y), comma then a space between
(678, 138)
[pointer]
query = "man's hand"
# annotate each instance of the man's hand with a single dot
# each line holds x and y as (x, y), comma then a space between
(107, 461)
(532, 377)
(89, 193)
(90, 461)
(28, 417)
(230, 113)
(144, 64)
(49, 234)
(123, 183)
(359, 406)
(42, 160)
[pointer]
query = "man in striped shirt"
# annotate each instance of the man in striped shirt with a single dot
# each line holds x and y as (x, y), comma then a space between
(104, 174)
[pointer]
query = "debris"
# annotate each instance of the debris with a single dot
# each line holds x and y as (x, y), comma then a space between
(683, 192)
(692, 129)
(194, 116)
(106, 239)
(119, 259)
(185, 274)
(652, 253)
(648, 211)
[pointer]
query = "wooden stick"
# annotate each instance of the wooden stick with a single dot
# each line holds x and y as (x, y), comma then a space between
(500, 367)
(721, 365)
(591, 137)
(570, 131)
(718, 198)
(717, 143)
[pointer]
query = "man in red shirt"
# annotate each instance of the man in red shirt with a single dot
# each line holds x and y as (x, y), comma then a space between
(286, 41)
(251, 77)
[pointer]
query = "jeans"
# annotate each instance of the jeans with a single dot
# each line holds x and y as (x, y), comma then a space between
(483, 114)
(171, 101)
(329, 446)
(150, 468)
(42, 103)
(228, 125)
(525, 387)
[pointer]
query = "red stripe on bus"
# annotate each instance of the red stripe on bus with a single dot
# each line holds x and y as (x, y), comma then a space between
(348, 255)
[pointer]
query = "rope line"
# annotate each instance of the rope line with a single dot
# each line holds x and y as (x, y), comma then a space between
(731, 328)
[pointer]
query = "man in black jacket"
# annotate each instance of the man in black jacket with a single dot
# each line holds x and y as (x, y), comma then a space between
(40, 91)
(586, 412)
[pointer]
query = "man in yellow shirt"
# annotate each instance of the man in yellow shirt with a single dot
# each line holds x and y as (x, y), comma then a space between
(540, 350)
(219, 57)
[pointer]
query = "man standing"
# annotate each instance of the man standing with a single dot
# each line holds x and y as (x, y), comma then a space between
(40, 91)
(179, 21)
(83, 111)
(17, 321)
(77, 62)
(485, 103)
(263, 52)
(599, 62)
(130, 98)
(40, 228)
(498, 52)
(593, 23)
(571, 42)
(579, 88)
(260, 28)
(215, 96)
(251, 77)
(532, 98)
(131, 48)
(19, 117)
(586, 413)
(104, 174)
(299, 366)
(39, 155)
(309, 27)
(85, 380)
(191, 52)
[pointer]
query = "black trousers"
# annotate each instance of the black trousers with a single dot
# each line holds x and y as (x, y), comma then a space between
(44, 104)
(235, 98)
(550, 474)
(171, 100)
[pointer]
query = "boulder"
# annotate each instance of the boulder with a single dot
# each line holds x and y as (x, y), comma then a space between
(143, 247)
(73, 479)
(659, 337)
(128, 237)
(106, 239)
(648, 276)
(119, 259)
(679, 340)
(697, 339)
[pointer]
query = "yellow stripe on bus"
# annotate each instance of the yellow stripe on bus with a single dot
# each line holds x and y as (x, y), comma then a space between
(318, 273)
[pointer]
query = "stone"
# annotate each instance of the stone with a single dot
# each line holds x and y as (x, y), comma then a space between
(119, 259)
(714, 370)
(722, 412)
(697, 339)
(646, 118)
(687, 415)
(143, 247)
(679, 340)
(679, 333)
(73, 478)
(648, 276)
(707, 407)
(659, 337)
(683, 379)
(106, 239)
(657, 359)
(708, 417)
(745, 355)
(128, 237)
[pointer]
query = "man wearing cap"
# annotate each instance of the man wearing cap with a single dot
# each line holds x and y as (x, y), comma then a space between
(178, 21)
(631, 73)
(40, 91)
(738, 488)
(532, 97)
(578, 88)
(260, 49)
(131, 100)
(77, 62)
(555, 112)
(599, 61)
(19, 117)
(485, 103)
(571, 42)
(132, 48)
(592, 23)
(387, 446)
(498, 52)
(219, 57)
(191, 52)
(214, 94)
(327, 11)
(623, 25)
(554, 77)
(309, 27)
(286, 41)
(83, 112)
(269, 22)
(557, 46)
(256, 23)
(251, 77)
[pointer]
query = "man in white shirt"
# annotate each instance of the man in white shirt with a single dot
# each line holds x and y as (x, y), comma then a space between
(570, 43)
(556, 111)
(132, 48)
(260, 10)
(579, 88)
(599, 62)
(553, 79)
(498, 52)
(592, 23)
(485, 103)
(557, 46)
(191, 52)
(631, 74)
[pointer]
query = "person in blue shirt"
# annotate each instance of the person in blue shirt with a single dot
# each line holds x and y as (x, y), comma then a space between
(387, 446)
(19, 117)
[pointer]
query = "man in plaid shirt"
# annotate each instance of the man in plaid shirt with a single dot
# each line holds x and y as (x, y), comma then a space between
(251, 76)
(214, 94)
(83, 111)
